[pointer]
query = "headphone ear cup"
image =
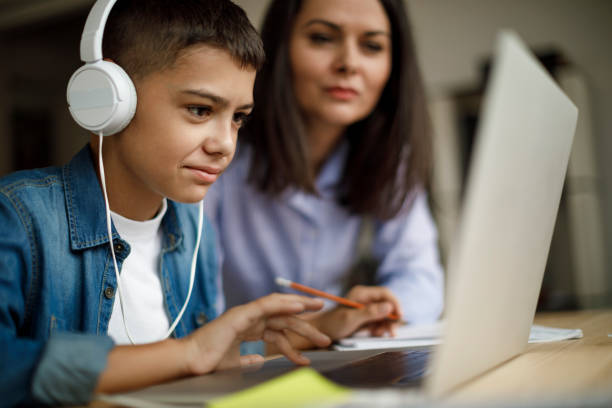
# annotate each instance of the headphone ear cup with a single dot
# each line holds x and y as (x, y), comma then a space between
(101, 97)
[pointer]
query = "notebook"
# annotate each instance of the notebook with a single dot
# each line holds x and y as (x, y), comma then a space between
(431, 334)
(497, 260)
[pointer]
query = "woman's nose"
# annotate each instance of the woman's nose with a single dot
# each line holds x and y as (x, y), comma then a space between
(347, 60)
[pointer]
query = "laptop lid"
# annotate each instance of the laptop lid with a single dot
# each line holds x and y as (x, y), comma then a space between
(497, 260)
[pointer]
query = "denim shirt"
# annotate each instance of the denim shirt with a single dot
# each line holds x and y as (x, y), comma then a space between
(57, 281)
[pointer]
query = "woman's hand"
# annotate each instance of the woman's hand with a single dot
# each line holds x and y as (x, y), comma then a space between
(371, 295)
(271, 318)
(341, 321)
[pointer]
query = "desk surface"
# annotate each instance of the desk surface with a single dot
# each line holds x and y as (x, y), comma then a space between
(544, 370)
(559, 368)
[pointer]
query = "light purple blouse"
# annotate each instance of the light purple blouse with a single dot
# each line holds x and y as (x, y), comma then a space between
(312, 240)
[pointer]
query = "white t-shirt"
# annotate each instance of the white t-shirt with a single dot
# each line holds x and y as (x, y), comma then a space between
(141, 287)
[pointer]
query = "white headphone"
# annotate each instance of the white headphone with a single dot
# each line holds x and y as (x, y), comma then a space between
(102, 99)
(101, 96)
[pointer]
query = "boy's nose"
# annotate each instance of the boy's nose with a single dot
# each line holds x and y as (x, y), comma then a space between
(222, 140)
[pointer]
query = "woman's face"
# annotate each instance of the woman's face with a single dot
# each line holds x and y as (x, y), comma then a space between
(340, 53)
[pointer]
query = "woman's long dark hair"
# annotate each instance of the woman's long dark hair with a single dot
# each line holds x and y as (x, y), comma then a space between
(389, 151)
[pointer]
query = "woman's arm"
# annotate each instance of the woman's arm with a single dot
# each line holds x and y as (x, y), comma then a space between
(407, 247)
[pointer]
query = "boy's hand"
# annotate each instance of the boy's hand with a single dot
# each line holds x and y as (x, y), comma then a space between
(216, 345)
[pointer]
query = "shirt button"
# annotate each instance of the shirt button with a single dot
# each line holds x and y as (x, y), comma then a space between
(201, 318)
(119, 247)
(109, 292)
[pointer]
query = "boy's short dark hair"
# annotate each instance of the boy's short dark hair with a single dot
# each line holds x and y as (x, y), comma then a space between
(144, 36)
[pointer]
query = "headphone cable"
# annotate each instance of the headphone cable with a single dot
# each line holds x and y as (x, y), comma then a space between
(110, 241)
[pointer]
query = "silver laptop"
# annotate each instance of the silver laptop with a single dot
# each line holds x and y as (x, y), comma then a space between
(497, 261)
(498, 257)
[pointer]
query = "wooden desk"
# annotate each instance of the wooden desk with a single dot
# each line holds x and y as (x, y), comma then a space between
(544, 371)
(554, 369)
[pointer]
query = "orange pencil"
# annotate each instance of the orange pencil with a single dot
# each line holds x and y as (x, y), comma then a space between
(343, 301)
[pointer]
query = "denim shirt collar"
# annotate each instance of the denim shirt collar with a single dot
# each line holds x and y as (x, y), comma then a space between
(86, 211)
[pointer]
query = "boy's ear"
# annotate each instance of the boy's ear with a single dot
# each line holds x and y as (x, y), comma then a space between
(101, 97)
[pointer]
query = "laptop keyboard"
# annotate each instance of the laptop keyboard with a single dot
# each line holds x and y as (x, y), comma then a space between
(404, 368)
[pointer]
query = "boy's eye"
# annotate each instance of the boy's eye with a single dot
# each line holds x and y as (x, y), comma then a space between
(200, 111)
(240, 118)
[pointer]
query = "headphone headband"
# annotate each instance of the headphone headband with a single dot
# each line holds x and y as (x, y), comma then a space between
(101, 95)
(91, 40)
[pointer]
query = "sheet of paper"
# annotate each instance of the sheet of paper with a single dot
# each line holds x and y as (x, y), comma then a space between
(542, 334)
(428, 335)
(297, 388)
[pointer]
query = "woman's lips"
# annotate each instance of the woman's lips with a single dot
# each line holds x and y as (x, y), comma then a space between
(340, 93)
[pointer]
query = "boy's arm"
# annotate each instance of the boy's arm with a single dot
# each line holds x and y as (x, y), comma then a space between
(69, 368)
(62, 370)
(130, 367)
(28, 367)
(215, 345)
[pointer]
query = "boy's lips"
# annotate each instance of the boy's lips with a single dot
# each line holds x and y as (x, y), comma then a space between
(207, 174)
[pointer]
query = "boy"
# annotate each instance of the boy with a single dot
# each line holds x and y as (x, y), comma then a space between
(193, 64)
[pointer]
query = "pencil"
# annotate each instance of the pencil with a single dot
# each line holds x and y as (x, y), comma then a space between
(343, 301)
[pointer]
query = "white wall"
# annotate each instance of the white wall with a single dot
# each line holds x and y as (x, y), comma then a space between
(452, 37)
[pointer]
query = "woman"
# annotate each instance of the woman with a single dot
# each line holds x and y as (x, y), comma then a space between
(338, 139)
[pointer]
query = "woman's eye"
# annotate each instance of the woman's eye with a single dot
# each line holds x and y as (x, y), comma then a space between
(200, 111)
(241, 118)
(319, 38)
(372, 46)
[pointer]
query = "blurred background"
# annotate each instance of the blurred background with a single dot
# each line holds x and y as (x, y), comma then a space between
(39, 43)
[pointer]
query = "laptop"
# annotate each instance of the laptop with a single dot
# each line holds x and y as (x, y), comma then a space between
(498, 258)
(497, 261)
